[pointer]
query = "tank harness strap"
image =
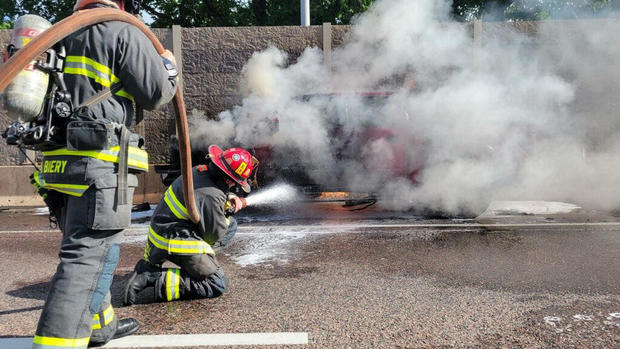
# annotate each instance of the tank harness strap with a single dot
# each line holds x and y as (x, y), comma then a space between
(98, 98)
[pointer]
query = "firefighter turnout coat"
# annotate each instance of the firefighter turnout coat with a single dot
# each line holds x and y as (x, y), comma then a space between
(84, 176)
(173, 236)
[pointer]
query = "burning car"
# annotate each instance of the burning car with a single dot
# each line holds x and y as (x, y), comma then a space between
(359, 148)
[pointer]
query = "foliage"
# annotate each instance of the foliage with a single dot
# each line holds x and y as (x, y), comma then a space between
(52, 10)
(548, 9)
(250, 12)
(196, 13)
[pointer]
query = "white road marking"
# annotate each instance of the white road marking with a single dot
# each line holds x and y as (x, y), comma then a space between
(186, 340)
(337, 228)
(16, 343)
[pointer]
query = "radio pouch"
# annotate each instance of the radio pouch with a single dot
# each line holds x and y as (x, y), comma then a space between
(90, 135)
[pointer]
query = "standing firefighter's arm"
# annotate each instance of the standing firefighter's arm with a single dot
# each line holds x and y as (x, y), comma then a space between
(149, 78)
(213, 223)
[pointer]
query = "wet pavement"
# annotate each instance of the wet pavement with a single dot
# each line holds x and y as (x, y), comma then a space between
(368, 279)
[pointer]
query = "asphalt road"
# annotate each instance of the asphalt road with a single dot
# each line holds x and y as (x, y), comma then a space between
(367, 281)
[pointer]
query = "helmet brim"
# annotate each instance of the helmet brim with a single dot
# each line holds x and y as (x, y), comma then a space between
(215, 153)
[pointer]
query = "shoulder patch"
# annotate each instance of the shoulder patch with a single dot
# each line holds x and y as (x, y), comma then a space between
(202, 168)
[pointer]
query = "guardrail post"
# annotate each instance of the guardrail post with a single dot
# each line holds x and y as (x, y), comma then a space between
(327, 43)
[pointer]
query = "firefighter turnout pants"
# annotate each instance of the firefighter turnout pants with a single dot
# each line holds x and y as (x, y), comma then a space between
(78, 308)
(199, 275)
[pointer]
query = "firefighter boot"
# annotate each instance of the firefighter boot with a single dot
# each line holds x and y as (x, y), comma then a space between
(124, 327)
(144, 275)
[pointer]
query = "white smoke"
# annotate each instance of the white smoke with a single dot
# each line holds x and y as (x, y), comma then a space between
(512, 118)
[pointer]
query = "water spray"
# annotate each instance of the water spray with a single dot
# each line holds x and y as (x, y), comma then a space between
(275, 195)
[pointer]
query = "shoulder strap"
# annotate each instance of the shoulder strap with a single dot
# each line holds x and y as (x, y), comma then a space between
(98, 97)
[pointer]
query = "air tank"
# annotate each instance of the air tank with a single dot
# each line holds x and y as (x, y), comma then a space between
(24, 97)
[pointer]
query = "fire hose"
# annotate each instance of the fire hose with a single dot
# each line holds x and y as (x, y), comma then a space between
(81, 19)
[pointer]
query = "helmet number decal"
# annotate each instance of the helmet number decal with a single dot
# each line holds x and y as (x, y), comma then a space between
(241, 168)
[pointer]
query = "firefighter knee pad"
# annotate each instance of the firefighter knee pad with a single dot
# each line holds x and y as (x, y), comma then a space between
(105, 277)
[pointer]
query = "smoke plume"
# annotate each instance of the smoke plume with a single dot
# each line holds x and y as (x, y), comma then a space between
(510, 117)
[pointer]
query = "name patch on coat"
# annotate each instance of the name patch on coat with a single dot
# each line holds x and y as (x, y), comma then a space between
(54, 166)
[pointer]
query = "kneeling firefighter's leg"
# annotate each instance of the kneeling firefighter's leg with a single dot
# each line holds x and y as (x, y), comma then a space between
(200, 276)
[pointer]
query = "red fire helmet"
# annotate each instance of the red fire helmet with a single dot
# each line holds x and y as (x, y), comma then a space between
(237, 163)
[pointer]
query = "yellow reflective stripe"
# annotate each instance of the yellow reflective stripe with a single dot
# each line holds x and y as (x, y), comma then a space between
(98, 66)
(138, 158)
(173, 281)
(177, 293)
(68, 192)
(88, 153)
(62, 342)
(96, 323)
(81, 71)
(174, 205)
(179, 246)
(168, 282)
(106, 71)
(68, 186)
(172, 208)
(108, 316)
(37, 180)
(124, 93)
(69, 189)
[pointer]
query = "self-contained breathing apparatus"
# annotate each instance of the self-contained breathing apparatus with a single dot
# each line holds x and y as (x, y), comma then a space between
(44, 118)
(37, 99)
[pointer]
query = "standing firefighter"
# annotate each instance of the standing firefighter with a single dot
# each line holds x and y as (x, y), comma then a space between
(89, 182)
(173, 237)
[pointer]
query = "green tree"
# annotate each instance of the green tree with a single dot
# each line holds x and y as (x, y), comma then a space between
(565, 9)
(198, 13)
(52, 10)
(189, 13)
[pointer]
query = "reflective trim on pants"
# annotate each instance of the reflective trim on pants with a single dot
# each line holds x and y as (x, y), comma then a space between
(57, 343)
(65, 188)
(173, 281)
(108, 316)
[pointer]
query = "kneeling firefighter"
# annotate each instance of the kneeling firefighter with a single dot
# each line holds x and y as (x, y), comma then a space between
(89, 178)
(174, 237)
